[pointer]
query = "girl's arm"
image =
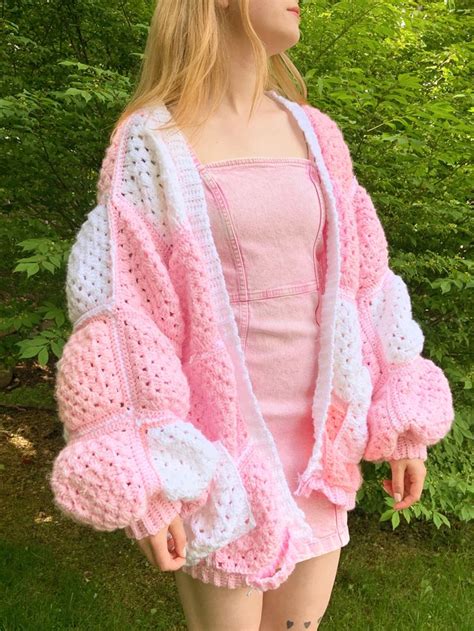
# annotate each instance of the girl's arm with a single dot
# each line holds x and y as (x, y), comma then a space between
(131, 458)
(411, 404)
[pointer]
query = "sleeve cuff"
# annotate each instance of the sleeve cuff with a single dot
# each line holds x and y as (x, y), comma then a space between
(408, 448)
(160, 513)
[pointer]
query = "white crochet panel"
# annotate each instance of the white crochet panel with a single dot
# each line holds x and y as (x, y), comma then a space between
(226, 515)
(141, 183)
(390, 307)
(183, 458)
(351, 378)
(89, 267)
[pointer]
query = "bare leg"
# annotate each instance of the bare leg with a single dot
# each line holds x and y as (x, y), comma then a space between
(300, 602)
(210, 608)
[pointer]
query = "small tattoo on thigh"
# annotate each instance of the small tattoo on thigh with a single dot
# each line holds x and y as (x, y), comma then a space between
(306, 624)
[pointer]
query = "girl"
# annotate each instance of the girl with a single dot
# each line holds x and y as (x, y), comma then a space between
(188, 386)
(228, 132)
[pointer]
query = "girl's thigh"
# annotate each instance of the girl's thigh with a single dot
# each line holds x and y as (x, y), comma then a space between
(211, 608)
(300, 602)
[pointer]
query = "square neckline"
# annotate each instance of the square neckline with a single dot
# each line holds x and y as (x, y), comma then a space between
(249, 160)
(252, 160)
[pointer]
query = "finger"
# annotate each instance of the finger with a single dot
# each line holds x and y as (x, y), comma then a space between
(398, 484)
(387, 485)
(170, 542)
(414, 493)
(163, 562)
(176, 528)
(166, 560)
(407, 501)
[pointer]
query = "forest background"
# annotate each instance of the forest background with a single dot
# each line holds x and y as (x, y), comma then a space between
(397, 78)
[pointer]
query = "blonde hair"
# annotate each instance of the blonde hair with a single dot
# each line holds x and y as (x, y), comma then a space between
(185, 62)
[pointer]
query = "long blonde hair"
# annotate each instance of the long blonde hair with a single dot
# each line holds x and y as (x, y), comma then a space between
(185, 62)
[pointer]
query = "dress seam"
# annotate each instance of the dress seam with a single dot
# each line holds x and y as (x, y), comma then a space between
(257, 160)
(276, 292)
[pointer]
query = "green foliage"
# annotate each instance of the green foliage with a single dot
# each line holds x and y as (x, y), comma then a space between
(395, 75)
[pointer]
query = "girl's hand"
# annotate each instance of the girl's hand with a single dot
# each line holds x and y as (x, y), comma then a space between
(406, 485)
(167, 548)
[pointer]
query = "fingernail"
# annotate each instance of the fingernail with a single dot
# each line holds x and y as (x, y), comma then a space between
(397, 497)
(184, 552)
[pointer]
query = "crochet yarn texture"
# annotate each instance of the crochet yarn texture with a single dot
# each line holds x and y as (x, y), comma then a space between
(159, 414)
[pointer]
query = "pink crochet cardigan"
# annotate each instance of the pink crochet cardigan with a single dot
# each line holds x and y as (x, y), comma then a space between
(159, 414)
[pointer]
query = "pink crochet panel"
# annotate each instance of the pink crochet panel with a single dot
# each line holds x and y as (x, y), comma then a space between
(412, 404)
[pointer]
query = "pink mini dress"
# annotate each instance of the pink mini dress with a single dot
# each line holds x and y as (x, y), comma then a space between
(267, 217)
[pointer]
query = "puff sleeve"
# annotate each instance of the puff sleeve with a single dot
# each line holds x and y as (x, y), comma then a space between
(131, 458)
(411, 406)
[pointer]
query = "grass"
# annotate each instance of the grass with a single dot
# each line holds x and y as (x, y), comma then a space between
(58, 575)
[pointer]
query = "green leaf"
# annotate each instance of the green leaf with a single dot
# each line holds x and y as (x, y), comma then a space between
(386, 515)
(30, 351)
(43, 357)
(395, 519)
